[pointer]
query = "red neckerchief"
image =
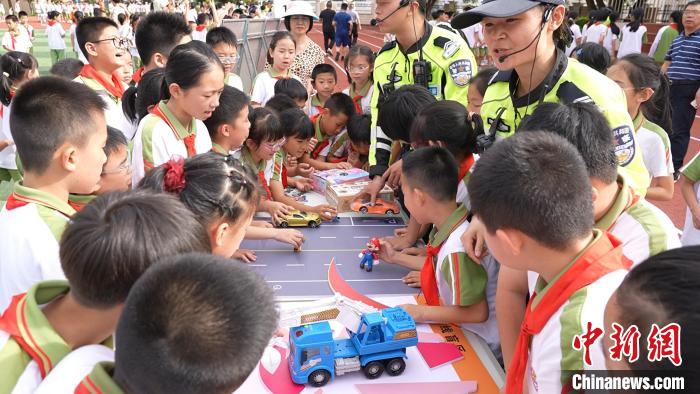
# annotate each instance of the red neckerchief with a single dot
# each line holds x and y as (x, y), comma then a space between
(428, 280)
(189, 140)
(78, 206)
(284, 176)
(138, 74)
(357, 99)
(114, 87)
(16, 200)
(51, 23)
(465, 165)
(10, 322)
(321, 144)
(674, 26)
(603, 256)
(200, 27)
(265, 185)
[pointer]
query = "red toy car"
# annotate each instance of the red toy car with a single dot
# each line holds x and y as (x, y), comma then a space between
(380, 207)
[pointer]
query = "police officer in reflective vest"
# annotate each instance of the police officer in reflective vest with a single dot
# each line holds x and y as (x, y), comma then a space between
(436, 57)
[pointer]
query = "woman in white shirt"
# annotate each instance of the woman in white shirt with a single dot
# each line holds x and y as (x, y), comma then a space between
(633, 34)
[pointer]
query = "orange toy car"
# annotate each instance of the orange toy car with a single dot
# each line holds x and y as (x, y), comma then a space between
(380, 207)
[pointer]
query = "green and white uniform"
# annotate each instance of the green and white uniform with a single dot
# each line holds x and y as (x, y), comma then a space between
(569, 82)
(452, 65)
(655, 145)
(691, 235)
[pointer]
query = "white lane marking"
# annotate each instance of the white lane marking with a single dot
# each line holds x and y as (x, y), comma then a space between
(328, 237)
(326, 280)
(369, 43)
(295, 265)
(328, 265)
(694, 138)
(257, 265)
(361, 237)
(352, 222)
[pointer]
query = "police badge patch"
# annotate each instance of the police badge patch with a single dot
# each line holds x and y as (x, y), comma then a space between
(461, 72)
(624, 145)
(451, 48)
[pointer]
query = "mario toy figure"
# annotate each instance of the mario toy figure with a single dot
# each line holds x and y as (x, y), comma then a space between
(369, 255)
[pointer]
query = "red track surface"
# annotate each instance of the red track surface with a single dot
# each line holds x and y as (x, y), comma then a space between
(371, 37)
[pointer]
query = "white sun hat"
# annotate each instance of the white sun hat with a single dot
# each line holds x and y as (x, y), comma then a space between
(300, 8)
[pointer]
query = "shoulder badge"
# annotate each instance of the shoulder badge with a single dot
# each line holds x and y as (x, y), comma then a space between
(460, 71)
(450, 49)
(569, 93)
(624, 144)
(501, 76)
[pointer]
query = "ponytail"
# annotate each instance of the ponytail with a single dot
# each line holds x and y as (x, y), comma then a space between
(14, 67)
(643, 72)
(137, 100)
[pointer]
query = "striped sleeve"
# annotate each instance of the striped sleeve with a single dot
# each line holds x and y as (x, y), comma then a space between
(466, 279)
(692, 169)
(147, 143)
(278, 162)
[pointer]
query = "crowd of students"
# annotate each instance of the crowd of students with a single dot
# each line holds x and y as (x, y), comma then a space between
(126, 196)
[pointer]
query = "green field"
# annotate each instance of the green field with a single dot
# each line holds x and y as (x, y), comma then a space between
(41, 50)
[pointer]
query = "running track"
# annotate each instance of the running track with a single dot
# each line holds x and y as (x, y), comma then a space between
(372, 38)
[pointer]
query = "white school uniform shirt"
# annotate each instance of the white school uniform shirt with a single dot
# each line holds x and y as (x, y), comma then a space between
(27, 32)
(596, 33)
(264, 86)
(657, 38)
(55, 35)
(19, 43)
(73, 368)
(470, 31)
(155, 140)
(76, 46)
(653, 153)
(631, 42)
(488, 330)
(235, 81)
(192, 15)
(691, 235)
(114, 114)
(8, 155)
(576, 33)
(199, 35)
(365, 101)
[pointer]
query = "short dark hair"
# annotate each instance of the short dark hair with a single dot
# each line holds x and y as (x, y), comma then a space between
(67, 68)
(215, 187)
(193, 323)
(159, 32)
(584, 126)
(115, 139)
(433, 170)
(49, 111)
(447, 121)
(186, 65)
(292, 88)
(202, 18)
(90, 29)
(535, 183)
(22, 13)
(344, 6)
(12, 17)
(138, 99)
(296, 124)
(221, 35)
(662, 290)
(264, 125)
(400, 108)
(481, 80)
(594, 56)
(280, 102)
(231, 103)
(111, 242)
(121, 18)
(53, 14)
(340, 103)
(359, 128)
(323, 68)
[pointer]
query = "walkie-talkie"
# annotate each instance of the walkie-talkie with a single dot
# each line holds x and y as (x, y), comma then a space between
(422, 72)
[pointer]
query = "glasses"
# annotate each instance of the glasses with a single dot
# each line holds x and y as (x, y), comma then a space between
(233, 59)
(691, 12)
(124, 167)
(118, 42)
(274, 147)
(358, 69)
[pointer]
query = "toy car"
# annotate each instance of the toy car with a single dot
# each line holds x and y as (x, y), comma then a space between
(300, 219)
(380, 206)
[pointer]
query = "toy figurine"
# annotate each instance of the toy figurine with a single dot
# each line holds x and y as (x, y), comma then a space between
(369, 255)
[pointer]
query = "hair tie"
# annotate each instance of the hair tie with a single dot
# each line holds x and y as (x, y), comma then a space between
(174, 178)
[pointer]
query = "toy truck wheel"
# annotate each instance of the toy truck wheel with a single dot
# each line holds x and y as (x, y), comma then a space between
(389, 212)
(373, 370)
(363, 209)
(313, 224)
(319, 378)
(284, 224)
(395, 366)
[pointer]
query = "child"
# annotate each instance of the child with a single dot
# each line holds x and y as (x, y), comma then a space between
(359, 137)
(158, 34)
(131, 35)
(298, 131)
(181, 350)
(594, 56)
(477, 89)
(265, 138)
(76, 18)
(67, 68)
(662, 290)
(13, 39)
(116, 172)
(221, 192)
(17, 68)
(532, 194)
(229, 124)
(193, 82)
(106, 53)
(125, 73)
(225, 45)
(101, 259)
(280, 56)
(323, 80)
(328, 149)
(138, 100)
(690, 188)
(294, 89)
(643, 229)
(55, 34)
(200, 32)
(62, 134)
(648, 104)
(457, 290)
(28, 29)
(359, 64)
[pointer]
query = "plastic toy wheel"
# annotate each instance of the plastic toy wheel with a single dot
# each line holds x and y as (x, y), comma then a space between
(319, 378)
(395, 366)
(313, 224)
(373, 370)
(389, 212)
(284, 224)
(363, 209)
